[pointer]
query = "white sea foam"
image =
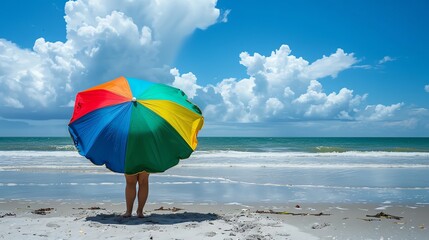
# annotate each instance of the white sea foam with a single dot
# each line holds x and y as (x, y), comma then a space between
(58, 184)
(302, 186)
(383, 207)
(303, 165)
(39, 154)
(102, 170)
(221, 180)
(226, 181)
(241, 154)
(236, 154)
(71, 160)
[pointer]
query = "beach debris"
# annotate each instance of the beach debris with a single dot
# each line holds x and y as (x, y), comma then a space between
(294, 214)
(8, 215)
(91, 208)
(370, 219)
(42, 211)
(297, 206)
(385, 215)
(174, 209)
(320, 225)
(320, 214)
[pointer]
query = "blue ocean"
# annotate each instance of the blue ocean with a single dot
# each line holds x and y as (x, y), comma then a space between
(231, 171)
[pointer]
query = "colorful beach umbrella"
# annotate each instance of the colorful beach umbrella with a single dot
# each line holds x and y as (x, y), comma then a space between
(133, 125)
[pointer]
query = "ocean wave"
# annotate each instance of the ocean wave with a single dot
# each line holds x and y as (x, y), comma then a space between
(237, 154)
(89, 168)
(71, 160)
(337, 149)
(219, 181)
(325, 149)
(103, 170)
(241, 154)
(39, 154)
(302, 165)
(64, 147)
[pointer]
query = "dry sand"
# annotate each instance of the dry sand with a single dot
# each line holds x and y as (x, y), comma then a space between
(65, 220)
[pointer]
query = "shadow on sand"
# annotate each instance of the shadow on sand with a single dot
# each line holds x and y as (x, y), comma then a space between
(154, 218)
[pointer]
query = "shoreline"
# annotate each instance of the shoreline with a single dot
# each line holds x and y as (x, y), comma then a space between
(85, 219)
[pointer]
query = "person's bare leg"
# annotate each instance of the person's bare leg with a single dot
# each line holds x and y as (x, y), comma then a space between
(143, 179)
(130, 193)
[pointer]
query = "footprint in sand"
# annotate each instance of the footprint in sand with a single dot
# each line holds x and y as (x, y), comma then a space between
(52, 225)
(210, 234)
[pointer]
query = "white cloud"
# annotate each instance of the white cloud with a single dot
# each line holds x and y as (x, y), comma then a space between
(225, 16)
(329, 66)
(285, 87)
(314, 94)
(379, 112)
(288, 92)
(12, 102)
(105, 39)
(282, 86)
(273, 106)
(186, 82)
(23, 79)
(427, 88)
(365, 66)
(317, 104)
(386, 59)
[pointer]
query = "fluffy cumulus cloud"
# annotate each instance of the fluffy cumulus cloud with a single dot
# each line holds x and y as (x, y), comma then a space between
(186, 82)
(105, 39)
(379, 111)
(283, 87)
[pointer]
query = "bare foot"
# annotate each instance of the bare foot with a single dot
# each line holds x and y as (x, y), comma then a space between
(126, 215)
(140, 215)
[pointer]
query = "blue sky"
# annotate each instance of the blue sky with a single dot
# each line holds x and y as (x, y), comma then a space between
(256, 68)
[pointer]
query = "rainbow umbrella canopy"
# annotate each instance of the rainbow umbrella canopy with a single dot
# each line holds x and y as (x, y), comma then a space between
(132, 125)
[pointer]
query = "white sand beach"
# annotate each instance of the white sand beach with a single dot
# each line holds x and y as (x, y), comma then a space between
(63, 220)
